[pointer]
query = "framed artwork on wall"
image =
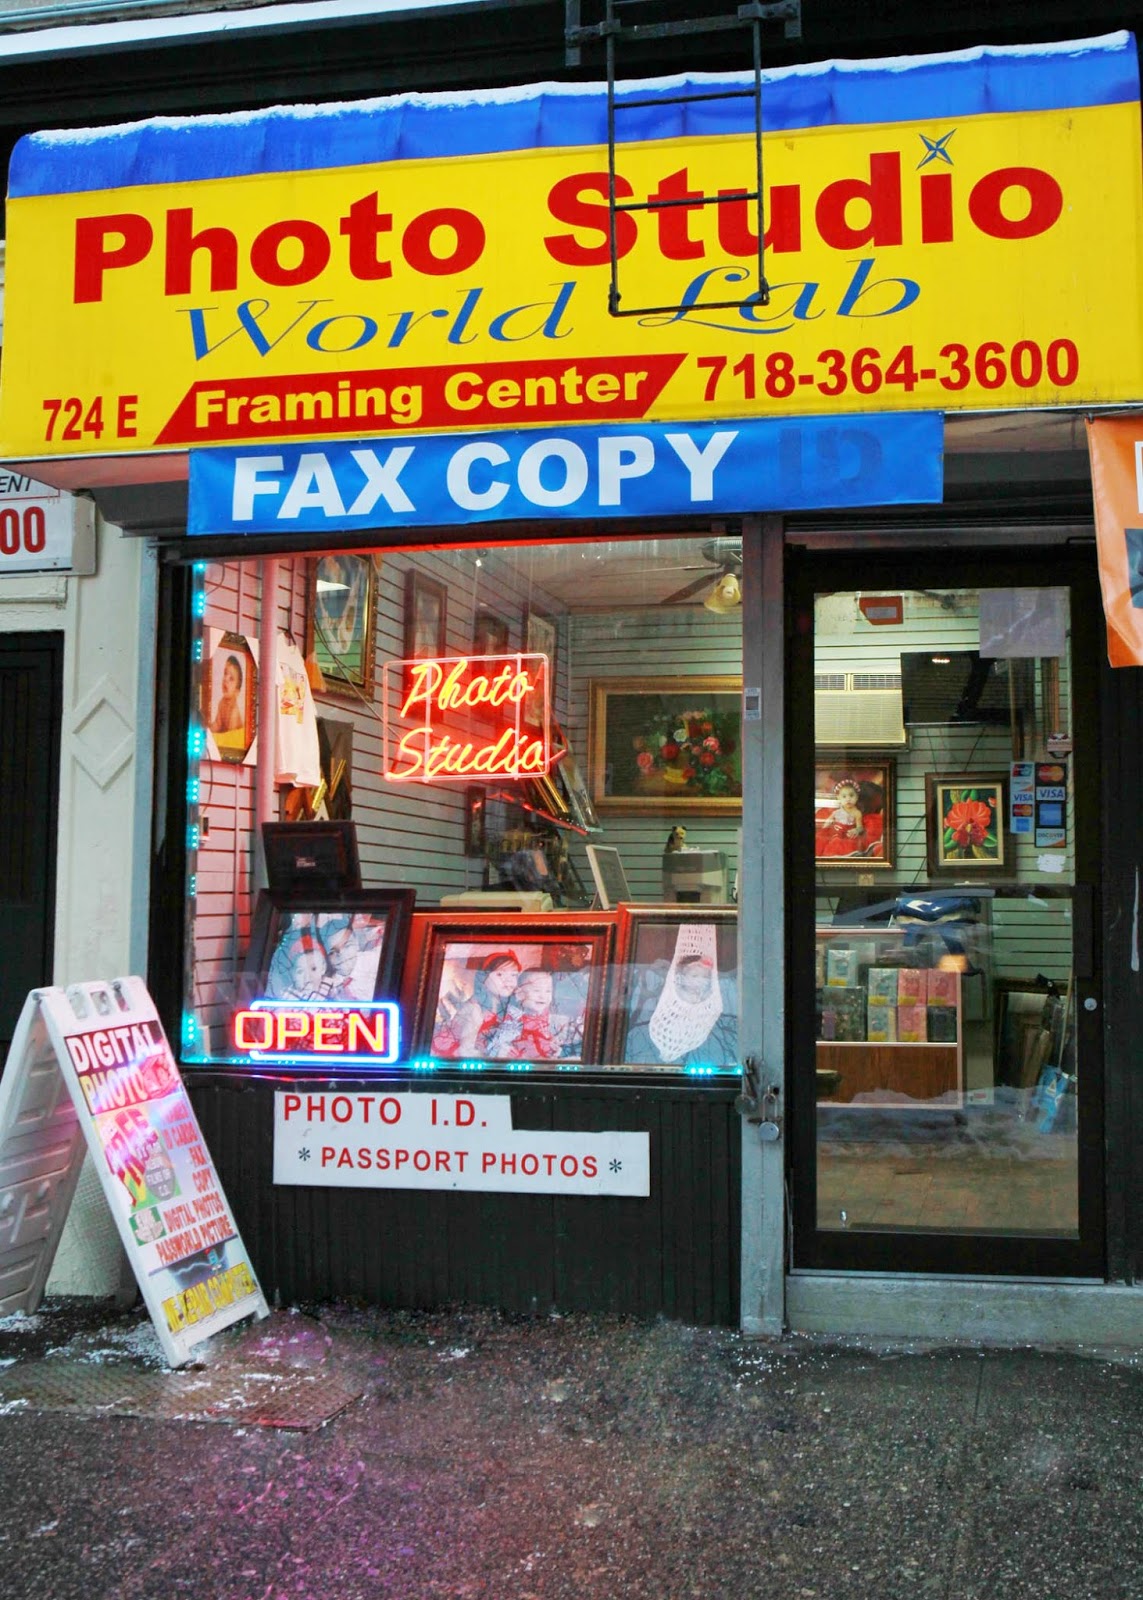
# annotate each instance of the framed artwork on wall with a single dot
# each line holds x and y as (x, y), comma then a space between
(677, 1004)
(475, 820)
(967, 822)
(229, 697)
(340, 946)
(541, 637)
(426, 617)
(854, 812)
(666, 745)
(525, 989)
(489, 634)
(340, 619)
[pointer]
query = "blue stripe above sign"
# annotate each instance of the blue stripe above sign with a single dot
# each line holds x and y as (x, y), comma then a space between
(931, 88)
(654, 469)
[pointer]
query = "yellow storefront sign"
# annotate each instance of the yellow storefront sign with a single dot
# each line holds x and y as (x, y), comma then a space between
(982, 261)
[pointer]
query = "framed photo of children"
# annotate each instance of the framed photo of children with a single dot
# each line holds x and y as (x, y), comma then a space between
(666, 745)
(854, 805)
(678, 1000)
(967, 821)
(229, 701)
(340, 615)
(532, 991)
(343, 946)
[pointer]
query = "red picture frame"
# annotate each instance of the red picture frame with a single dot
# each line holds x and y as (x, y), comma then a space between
(460, 999)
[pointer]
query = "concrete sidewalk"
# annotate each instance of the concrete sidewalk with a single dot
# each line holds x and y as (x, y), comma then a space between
(351, 1453)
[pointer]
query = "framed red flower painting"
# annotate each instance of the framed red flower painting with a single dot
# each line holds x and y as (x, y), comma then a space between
(967, 824)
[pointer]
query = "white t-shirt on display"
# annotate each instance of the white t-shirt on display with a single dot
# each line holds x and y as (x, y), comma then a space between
(297, 758)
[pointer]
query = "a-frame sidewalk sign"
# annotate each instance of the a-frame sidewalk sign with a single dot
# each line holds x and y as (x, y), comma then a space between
(90, 1068)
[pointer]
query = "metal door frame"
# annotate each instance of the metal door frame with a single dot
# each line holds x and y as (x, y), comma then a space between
(978, 1255)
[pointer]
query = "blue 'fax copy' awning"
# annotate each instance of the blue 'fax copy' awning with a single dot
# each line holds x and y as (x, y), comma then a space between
(660, 469)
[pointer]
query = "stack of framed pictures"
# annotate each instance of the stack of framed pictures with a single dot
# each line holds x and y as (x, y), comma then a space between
(641, 988)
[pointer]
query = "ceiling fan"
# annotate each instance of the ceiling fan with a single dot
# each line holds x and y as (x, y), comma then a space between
(721, 576)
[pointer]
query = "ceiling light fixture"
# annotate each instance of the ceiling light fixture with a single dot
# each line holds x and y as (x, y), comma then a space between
(725, 596)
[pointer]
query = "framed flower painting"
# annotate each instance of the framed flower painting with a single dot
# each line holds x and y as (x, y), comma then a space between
(668, 745)
(967, 824)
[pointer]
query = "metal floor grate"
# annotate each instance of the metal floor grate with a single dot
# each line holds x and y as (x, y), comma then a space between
(299, 1400)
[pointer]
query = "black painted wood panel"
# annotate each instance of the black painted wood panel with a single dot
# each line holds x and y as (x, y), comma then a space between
(674, 1254)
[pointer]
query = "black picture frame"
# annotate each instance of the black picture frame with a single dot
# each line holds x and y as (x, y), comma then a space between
(311, 856)
(426, 617)
(286, 922)
(475, 820)
(490, 634)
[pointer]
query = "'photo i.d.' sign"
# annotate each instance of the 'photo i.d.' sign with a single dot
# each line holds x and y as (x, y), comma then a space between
(445, 1141)
(91, 1066)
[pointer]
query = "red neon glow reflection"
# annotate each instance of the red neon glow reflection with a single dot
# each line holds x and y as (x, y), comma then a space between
(489, 690)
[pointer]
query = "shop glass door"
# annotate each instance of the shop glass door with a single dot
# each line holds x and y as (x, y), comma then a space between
(948, 1031)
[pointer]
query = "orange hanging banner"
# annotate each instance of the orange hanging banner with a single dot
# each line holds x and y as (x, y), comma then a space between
(1116, 447)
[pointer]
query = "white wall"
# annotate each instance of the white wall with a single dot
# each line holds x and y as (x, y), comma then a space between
(102, 841)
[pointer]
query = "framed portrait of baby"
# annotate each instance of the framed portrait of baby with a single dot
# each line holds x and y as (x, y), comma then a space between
(677, 1001)
(312, 947)
(229, 699)
(531, 990)
(854, 803)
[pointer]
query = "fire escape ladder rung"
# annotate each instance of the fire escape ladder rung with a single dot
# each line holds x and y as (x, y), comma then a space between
(611, 31)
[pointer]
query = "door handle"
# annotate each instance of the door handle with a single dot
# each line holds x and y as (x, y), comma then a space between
(760, 1105)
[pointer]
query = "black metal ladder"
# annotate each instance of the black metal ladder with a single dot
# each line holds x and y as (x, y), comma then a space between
(752, 15)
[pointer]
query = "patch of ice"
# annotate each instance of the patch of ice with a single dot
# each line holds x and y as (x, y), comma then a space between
(516, 94)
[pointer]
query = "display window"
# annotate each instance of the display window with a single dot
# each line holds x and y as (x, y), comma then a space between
(952, 916)
(495, 792)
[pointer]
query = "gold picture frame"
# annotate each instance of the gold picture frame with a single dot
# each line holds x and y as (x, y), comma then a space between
(670, 746)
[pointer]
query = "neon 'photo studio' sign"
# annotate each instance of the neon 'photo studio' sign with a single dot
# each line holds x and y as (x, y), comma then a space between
(466, 717)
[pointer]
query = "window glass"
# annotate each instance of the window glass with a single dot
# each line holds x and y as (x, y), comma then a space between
(944, 845)
(578, 917)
